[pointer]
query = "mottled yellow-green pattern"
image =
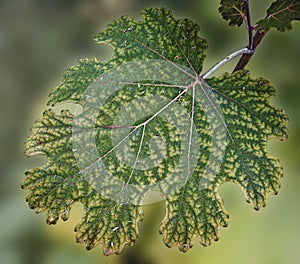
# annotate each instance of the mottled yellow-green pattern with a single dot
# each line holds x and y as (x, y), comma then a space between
(75, 81)
(193, 209)
(250, 122)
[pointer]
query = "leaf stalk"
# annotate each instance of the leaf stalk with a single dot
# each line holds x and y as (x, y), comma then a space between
(230, 57)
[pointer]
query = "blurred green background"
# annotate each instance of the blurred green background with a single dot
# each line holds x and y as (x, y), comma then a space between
(40, 39)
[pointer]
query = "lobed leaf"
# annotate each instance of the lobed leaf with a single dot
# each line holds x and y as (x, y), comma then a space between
(196, 134)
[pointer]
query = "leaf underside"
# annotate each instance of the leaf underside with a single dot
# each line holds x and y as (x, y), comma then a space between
(280, 15)
(234, 11)
(248, 121)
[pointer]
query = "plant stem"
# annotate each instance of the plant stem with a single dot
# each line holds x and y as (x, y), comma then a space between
(247, 56)
(249, 25)
(253, 42)
(227, 59)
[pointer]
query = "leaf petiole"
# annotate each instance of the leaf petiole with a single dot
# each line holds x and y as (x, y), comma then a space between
(225, 60)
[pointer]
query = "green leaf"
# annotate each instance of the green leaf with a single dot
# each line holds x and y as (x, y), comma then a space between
(150, 122)
(280, 15)
(234, 11)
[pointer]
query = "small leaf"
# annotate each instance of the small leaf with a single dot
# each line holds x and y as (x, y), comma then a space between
(280, 15)
(234, 11)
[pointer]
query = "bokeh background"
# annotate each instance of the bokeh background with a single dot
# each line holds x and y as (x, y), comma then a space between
(40, 39)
